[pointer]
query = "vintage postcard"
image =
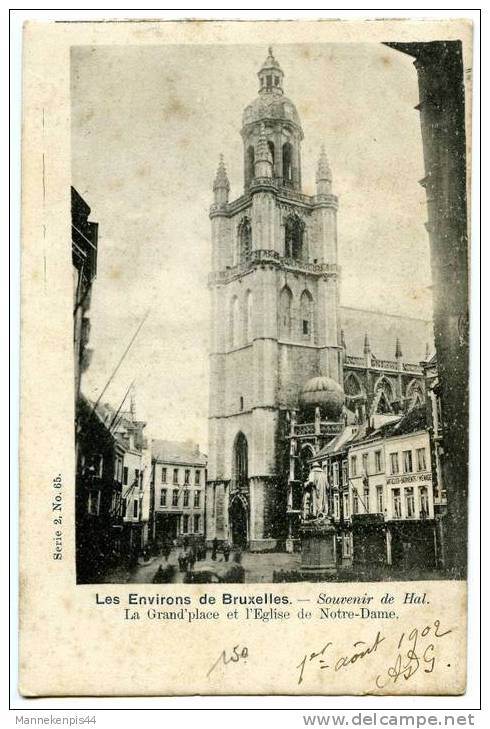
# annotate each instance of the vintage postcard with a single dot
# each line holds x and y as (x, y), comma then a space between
(244, 421)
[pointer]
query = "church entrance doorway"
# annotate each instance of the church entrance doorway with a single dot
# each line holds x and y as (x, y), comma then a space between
(238, 523)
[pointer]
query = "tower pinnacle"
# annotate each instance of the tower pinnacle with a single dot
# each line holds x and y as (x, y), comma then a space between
(398, 349)
(323, 174)
(221, 186)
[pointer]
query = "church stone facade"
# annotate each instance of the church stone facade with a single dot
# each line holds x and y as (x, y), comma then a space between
(278, 351)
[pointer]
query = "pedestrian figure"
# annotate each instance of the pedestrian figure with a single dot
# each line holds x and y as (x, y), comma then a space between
(214, 551)
(166, 550)
(191, 557)
(238, 555)
(183, 557)
(183, 563)
(158, 576)
(226, 551)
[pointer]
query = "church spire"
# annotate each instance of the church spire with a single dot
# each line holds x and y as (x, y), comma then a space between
(323, 174)
(221, 186)
(270, 75)
(398, 349)
(367, 351)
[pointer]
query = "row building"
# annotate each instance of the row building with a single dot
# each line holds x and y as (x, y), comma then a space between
(178, 485)
(113, 489)
(386, 498)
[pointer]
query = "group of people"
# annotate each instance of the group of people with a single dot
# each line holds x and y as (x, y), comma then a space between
(226, 549)
(190, 552)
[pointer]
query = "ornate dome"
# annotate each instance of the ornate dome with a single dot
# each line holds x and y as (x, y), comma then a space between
(325, 393)
(271, 106)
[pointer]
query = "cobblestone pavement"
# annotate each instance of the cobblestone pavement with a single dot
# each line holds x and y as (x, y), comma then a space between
(258, 567)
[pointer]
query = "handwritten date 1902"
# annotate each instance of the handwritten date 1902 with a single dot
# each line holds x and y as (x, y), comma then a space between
(415, 649)
(414, 652)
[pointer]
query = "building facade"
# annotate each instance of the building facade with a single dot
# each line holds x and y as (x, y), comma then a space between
(178, 486)
(382, 497)
(84, 240)
(289, 366)
(441, 75)
(98, 494)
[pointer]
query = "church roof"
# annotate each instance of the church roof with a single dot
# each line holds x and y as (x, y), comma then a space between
(383, 331)
(180, 452)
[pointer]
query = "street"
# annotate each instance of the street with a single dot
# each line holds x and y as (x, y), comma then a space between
(259, 567)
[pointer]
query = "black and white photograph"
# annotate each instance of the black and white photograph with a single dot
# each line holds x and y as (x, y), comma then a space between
(270, 312)
(248, 281)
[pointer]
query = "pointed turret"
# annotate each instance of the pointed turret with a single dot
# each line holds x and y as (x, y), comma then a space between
(398, 349)
(221, 186)
(323, 175)
(427, 351)
(367, 351)
(367, 346)
(263, 157)
(399, 354)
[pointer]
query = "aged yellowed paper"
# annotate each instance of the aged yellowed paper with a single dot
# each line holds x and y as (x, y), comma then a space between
(244, 395)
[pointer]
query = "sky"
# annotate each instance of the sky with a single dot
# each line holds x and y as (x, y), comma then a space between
(148, 126)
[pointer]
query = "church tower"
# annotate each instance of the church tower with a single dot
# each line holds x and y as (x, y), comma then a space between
(274, 316)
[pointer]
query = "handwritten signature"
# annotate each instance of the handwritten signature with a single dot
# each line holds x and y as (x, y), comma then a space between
(237, 654)
(413, 652)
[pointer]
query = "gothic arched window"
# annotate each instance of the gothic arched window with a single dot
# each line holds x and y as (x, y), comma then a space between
(272, 150)
(383, 396)
(240, 460)
(414, 394)
(306, 315)
(234, 321)
(352, 386)
(248, 317)
(302, 466)
(287, 163)
(244, 241)
(285, 306)
(293, 237)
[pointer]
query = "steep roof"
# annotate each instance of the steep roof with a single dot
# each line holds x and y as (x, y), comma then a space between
(414, 420)
(383, 330)
(174, 451)
(411, 422)
(337, 443)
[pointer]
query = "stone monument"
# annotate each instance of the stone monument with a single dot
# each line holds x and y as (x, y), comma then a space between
(317, 532)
